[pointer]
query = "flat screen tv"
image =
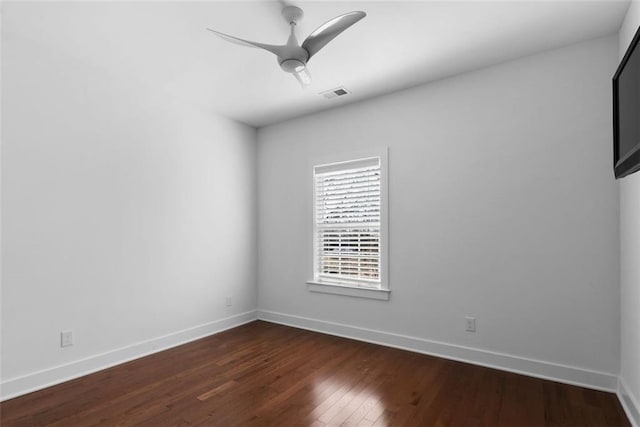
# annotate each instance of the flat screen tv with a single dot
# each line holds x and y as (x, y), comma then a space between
(626, 112)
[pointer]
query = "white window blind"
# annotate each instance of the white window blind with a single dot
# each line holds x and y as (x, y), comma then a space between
(347, 222)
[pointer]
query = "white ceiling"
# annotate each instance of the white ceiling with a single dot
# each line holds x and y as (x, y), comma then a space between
(165, 46)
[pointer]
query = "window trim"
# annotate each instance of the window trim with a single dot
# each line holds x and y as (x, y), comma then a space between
(348, 290)
(381, 292)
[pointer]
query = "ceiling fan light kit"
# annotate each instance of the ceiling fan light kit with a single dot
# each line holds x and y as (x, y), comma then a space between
(293, 56)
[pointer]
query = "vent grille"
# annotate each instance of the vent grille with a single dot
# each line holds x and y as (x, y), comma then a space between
(336, 92)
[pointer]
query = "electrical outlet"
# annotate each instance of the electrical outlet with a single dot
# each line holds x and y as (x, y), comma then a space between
(229, 301)
(471, 324)
(66, 338)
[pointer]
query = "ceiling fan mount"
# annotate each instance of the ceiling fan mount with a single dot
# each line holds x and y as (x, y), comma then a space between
(293, 56)
(292, 14)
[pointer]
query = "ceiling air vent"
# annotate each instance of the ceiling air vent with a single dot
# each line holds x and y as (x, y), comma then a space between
(334, 93)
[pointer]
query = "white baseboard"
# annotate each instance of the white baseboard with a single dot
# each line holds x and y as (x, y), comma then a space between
(520, 365)
(41, 379)
(629, 402)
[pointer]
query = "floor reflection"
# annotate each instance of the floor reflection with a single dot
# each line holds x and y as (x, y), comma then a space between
(348, 400)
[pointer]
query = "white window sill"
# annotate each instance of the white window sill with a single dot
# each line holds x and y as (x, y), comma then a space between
(349, 290)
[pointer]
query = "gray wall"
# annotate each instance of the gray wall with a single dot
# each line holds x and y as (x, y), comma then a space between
(630, 253)
(502, 203)
(126, 214)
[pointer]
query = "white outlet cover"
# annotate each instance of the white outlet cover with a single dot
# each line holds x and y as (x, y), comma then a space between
(471, 324)
(66, 338)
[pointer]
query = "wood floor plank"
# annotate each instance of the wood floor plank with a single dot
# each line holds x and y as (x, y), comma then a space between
(262, 374)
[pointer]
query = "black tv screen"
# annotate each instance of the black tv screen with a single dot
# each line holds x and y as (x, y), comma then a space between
(626, 112)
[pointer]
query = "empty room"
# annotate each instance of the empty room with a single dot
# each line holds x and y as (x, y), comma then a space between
(320, 213)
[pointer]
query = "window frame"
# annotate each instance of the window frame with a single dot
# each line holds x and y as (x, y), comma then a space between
(381, 291)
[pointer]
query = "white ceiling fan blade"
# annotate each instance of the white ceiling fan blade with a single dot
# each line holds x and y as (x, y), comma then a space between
(329, 30)
(277, 50)
(303, 77)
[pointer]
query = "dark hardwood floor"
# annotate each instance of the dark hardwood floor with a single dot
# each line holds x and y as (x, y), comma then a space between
(262, 374)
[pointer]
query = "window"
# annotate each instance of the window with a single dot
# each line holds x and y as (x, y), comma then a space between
(349, 227)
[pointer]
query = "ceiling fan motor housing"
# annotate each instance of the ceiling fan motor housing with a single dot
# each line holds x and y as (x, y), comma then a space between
(292, 65)
(294, 60)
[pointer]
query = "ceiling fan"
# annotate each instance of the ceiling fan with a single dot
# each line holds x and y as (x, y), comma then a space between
(293, 56)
